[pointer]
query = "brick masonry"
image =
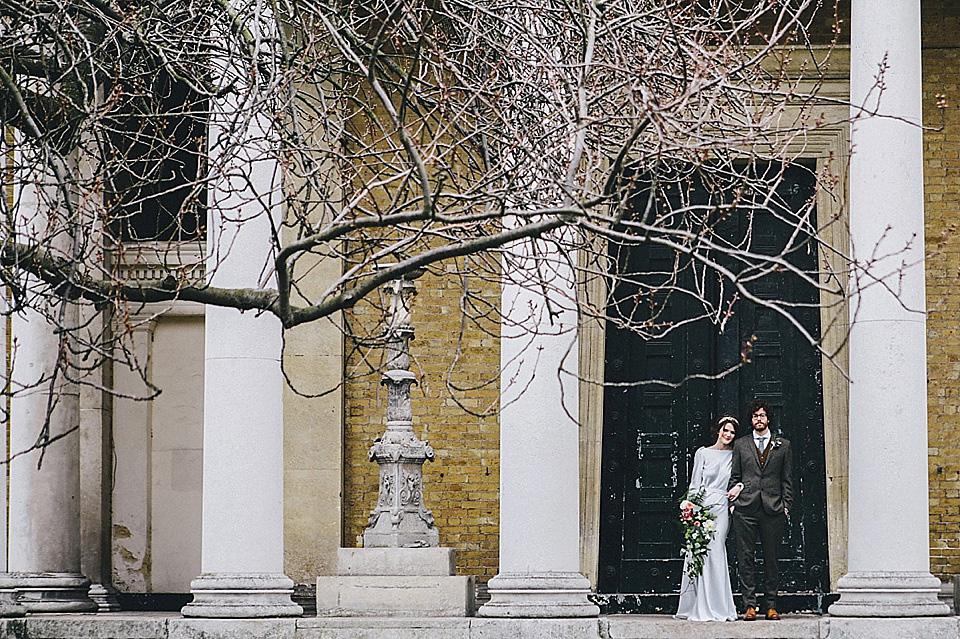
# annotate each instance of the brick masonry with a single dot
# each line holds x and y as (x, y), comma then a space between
(941, 102)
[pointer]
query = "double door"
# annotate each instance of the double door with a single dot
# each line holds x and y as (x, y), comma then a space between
(651, 430)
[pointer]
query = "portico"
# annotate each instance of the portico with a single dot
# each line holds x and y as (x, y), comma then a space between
(544, 551)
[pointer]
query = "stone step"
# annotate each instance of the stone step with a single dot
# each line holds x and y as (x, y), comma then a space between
(629, 627)
(665, 627)
(167, 626)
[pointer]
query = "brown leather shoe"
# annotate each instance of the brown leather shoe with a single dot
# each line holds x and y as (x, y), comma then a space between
(750, 614)
(773, 615)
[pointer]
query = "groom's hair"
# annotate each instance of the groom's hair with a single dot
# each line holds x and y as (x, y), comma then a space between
(756, 405)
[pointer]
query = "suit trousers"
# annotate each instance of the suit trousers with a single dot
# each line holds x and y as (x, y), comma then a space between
(748, 526)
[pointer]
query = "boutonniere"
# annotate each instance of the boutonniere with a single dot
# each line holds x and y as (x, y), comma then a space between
(776, 441)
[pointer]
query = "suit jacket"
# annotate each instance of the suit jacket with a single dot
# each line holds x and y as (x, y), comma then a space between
(770, 486)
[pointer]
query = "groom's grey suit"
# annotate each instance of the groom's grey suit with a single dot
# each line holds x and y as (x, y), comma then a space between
(767, 479)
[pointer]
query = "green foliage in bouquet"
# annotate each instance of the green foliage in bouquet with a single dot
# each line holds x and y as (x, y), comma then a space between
(699, 526)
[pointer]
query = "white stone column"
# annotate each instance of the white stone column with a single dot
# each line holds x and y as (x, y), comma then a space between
(889, 563)
(44, 527)
(242, 539)
(539, 572)
(8, 592)
(44, 544)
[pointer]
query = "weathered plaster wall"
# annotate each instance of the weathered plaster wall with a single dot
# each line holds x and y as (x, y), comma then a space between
(157, 462)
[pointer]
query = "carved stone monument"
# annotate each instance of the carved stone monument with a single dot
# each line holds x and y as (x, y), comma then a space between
(400, 570)
(400, 519)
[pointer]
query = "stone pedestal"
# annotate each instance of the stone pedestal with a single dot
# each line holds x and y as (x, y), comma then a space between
(405, 582)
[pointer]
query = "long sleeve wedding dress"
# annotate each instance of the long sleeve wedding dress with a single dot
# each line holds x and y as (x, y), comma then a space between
(709, 596)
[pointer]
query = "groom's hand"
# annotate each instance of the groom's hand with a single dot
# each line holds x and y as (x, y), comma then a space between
(786, 511)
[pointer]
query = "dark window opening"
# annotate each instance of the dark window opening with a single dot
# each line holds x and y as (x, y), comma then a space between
(156, 165)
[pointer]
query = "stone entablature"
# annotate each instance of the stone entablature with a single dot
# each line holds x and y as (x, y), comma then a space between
(152, 263)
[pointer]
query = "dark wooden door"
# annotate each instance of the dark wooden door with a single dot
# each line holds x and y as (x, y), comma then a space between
(651, 430)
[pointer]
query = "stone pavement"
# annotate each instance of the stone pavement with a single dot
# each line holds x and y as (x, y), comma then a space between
(171, 626)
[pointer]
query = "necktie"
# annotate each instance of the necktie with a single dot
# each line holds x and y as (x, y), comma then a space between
(761, 443)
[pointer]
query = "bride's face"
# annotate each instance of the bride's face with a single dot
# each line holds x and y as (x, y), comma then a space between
(726, 435)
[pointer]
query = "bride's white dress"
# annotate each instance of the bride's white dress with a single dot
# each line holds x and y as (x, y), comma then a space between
(709, 597)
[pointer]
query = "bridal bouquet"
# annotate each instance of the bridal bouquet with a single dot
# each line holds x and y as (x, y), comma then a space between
(699, 527)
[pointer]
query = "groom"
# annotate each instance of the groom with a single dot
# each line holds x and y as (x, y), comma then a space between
(761, 491)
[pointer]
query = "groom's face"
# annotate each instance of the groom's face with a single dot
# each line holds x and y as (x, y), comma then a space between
(759, 420)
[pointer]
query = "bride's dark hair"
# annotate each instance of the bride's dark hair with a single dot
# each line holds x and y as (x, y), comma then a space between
(726, 419)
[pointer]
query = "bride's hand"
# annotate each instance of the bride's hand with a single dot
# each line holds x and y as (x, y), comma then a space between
(734, 492)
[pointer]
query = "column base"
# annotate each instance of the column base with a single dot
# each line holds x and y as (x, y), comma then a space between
(241, 596)
(888, 594)
(105, 597)
(49, 591)
(8, 599)
(539, 595)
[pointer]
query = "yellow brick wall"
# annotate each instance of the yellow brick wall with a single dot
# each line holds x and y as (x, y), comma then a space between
(462, 486)
(941, 83)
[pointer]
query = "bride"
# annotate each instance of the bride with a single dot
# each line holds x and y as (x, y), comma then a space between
(709, 597)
